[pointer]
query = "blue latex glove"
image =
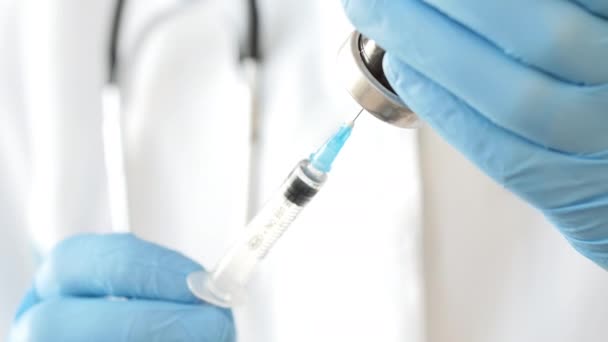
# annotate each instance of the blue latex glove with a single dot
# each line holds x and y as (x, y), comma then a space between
(69, 300)
(519, 87)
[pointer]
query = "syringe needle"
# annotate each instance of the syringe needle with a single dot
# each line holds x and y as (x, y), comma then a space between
(352, 123)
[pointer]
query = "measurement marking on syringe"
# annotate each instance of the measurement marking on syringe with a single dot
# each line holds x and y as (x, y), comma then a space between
(274, 228)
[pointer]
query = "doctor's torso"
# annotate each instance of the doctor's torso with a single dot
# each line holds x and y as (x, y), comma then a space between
(406, 242)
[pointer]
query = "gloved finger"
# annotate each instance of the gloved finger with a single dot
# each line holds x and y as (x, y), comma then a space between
(506, 157)
(472, 69)
(514, 162)
(558, 37)
(599, 7)
(485, 144)
(30, 299)
(115, 265)
(86, 319)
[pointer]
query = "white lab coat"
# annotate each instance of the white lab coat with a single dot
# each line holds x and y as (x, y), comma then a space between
(365, 262)
(16, 252)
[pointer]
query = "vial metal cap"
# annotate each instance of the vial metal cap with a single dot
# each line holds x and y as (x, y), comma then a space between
(360, 60)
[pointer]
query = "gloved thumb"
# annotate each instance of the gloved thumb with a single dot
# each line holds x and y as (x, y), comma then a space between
(119, 265)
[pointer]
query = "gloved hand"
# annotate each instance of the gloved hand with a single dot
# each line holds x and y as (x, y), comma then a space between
(71, 300)
(519, 87)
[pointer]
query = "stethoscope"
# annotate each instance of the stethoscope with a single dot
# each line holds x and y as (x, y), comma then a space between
(250, 55)
(250, 51)
(360, 60)
(360, 57)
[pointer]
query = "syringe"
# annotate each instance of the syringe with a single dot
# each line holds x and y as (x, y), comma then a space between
(225, 285)
(361, 64)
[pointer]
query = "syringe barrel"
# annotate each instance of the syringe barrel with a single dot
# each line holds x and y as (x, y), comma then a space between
(236, 267)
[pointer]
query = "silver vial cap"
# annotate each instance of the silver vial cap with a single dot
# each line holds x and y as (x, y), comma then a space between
(360, 61)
